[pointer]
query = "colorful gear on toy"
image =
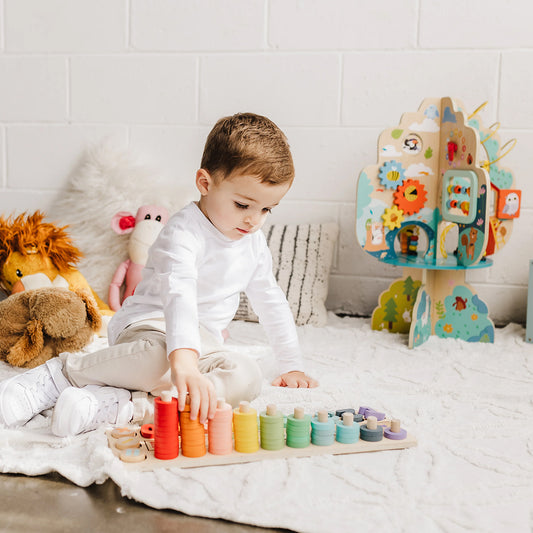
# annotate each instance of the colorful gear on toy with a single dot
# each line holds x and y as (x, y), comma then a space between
(391, 174)
(410, 196)
(392, 217)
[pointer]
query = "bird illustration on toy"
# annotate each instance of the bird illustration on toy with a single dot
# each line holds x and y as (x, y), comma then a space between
(144, 228)
(511, 204)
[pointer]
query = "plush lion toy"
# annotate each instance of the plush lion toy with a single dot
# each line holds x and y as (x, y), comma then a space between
(38, 324)
(32, 251)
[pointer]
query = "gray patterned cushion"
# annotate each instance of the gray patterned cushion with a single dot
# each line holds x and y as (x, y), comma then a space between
(301, 261)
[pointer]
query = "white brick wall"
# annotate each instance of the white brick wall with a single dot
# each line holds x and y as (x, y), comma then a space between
(157, 73)
(93, 27)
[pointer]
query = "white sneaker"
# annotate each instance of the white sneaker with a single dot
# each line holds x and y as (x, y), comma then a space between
(25, 395)
(80, 410)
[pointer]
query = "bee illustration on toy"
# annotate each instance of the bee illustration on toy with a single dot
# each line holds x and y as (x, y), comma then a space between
(437, 204)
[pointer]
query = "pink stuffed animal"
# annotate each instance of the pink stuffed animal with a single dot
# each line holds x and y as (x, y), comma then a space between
(144, 228)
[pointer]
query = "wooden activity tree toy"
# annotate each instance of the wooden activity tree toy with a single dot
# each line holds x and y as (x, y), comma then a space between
(436, 204)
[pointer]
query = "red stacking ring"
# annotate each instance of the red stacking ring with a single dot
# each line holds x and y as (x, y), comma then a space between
(166, 434)
(147, 431)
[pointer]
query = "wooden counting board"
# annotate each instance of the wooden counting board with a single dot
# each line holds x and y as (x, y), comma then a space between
(141, 455)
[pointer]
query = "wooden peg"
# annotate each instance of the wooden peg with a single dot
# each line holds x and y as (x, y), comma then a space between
(395, 431)
(372, 422)
(395, 425)
(271, 409)
(244, 407)
(323, 415)
(299, 413)
(166, 396)
(347, 419)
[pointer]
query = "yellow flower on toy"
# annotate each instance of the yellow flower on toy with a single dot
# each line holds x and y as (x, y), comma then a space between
(392, 217)
(448, 328)
(474, 316)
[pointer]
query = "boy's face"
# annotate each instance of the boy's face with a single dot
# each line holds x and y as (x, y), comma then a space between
(239, 205)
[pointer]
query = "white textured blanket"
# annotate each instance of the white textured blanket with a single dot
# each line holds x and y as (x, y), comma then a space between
(469, 405)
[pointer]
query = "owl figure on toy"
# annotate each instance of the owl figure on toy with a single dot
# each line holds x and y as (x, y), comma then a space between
(144, 228)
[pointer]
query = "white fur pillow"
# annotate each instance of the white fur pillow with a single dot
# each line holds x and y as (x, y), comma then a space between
(107, 180)
(301, 261)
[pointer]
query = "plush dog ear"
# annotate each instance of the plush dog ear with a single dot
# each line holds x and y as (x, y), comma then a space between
(29, 346)
(93, 313)
(61, 312)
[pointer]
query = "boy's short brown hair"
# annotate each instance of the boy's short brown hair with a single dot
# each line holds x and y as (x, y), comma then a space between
(246, 143)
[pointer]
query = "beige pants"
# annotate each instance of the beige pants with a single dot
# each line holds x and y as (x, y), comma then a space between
(138, 362)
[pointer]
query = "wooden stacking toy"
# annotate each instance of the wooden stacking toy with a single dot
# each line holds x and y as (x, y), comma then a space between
(241, 435)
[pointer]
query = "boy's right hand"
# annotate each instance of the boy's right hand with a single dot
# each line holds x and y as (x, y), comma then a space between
(187, 378)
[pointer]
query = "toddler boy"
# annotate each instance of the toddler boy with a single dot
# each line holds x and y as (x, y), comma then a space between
(170, 332)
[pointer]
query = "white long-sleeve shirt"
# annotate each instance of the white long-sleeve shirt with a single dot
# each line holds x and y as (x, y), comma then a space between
(194, 275)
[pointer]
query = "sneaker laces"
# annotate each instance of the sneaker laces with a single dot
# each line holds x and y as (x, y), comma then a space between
(107, 410)
(43, 391)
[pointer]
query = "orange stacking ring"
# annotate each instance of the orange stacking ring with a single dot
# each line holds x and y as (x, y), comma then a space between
(192, 434)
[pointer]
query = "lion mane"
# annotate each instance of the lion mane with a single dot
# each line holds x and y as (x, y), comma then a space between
(28, 234)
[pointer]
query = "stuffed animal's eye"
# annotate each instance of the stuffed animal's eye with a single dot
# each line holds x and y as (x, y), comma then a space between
(158, 218)
(148, 217)
(19, 273)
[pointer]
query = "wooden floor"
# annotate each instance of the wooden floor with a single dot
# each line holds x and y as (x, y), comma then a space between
(51, 504)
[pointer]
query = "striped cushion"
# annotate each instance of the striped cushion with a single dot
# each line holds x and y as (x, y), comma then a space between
(301, 261)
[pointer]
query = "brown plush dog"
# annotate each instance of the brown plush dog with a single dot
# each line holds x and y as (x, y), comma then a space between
(38, 324)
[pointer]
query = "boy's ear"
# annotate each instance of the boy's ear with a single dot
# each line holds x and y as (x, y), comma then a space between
(203, 181)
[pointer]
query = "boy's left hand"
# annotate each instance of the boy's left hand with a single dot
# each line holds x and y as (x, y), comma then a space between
(295, 380)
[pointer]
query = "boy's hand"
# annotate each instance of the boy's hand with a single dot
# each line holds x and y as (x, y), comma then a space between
(186, 377)
(295, 380)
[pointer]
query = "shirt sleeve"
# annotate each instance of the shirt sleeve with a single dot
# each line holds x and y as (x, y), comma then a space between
(174, 259)
(271, 306)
